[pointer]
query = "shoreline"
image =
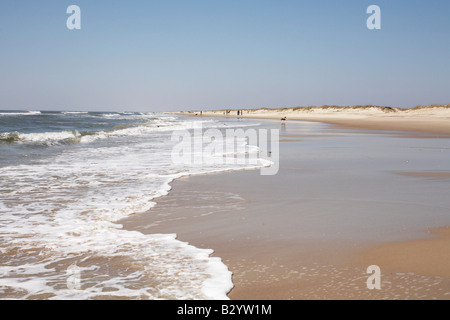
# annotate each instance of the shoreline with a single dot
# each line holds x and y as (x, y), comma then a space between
(265, 269)
(432, 119)
(291, 242)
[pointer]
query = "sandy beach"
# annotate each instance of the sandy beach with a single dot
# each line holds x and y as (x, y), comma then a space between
(196, 151)
(345, 198)
(431, 119)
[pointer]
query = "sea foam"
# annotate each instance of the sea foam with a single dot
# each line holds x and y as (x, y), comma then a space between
(62, 212)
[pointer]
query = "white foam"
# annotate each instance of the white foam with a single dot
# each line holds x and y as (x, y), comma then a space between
(44, 137)
(28, 113)
(160, 124)
(47, 138)
(66, 208)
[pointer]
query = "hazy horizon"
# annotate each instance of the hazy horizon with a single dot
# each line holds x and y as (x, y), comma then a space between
(156, 56)
(118, 110)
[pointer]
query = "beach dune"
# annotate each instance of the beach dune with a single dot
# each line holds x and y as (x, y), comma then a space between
(432, 118)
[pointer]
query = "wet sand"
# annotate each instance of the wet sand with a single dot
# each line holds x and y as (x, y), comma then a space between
(339, 204)
(429, 257)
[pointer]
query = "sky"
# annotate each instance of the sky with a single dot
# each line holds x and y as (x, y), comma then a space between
(166, 55)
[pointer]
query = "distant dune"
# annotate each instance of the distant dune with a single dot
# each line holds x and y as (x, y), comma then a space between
(324, 109)
(432, 118)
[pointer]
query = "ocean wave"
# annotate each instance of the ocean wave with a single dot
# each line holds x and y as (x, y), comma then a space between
(157, 125)
(128, 116)
(47, 138)
(71, 137)
(75, 112)
(13, 113)
(67, 211)
(74, 136)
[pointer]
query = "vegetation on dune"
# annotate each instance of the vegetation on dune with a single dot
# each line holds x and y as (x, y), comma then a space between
(384, 109)
(347, 108)
(431, 106)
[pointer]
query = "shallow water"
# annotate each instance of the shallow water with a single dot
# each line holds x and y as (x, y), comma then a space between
(66, 178)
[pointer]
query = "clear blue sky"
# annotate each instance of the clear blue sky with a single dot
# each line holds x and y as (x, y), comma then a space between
(192, 54)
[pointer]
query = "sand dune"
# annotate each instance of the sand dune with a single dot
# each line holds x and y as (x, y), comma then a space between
(432, 119)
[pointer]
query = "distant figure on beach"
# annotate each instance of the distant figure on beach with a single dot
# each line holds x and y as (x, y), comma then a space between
(238, 112)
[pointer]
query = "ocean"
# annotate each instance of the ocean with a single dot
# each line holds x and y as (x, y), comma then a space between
(66, 178)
